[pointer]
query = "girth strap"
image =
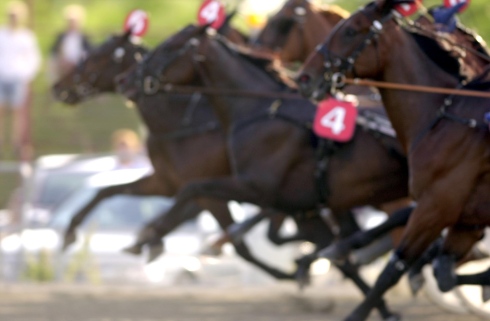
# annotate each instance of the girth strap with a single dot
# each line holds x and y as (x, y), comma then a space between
(326, 149)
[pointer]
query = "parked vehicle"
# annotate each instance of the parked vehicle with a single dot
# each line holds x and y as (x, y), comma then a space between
(49, 181)
(97, 256)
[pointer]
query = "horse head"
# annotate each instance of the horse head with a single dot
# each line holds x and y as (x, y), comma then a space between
(96, 73)
(297, 28)
(171, 63)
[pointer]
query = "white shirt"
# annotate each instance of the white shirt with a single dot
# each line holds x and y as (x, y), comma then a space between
(19, 55)
(72, 47)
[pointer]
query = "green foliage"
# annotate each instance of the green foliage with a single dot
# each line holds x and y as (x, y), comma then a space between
(39, 267)
(82, 266)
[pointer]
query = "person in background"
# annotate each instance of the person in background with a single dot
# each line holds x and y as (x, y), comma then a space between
(71, 45)
(128, 149)
(19, 63)
(445, 18)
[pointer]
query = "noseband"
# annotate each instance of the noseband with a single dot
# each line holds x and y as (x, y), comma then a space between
(85, 89)
(338, 67)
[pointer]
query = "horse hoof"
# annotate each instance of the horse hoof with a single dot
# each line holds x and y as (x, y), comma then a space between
(485, 293)
(68, 240)
(416, 282)
(155, 251)
(303, 276)
(135, 250)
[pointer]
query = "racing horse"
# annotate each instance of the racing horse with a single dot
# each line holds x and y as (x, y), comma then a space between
(474, 54)
(444, 136)
(177, 138)
(297, 29)
(269, 139)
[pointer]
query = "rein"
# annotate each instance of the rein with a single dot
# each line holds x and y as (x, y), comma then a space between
(172, 89)
(340, 81)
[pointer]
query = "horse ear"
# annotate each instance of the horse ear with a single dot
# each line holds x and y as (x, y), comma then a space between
(127, 33)
(226, 23)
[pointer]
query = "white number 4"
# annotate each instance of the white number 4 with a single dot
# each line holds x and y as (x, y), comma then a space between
(334, 120)
(210, 12)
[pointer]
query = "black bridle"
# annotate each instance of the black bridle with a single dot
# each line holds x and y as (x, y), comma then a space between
(338, 67)
(150, 81)
(85, 88)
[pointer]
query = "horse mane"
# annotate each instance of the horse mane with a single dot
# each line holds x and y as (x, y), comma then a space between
(474, 38)
(333, 13)
(440, 56)
(263, 60)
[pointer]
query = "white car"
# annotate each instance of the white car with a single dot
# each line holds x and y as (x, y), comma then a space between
(97, 256)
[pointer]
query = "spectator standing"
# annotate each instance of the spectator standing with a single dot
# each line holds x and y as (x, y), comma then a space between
(71, 45)
(19, 63)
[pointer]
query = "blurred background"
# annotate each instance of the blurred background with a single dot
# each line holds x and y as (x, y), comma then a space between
(73, 148)
(58, 129)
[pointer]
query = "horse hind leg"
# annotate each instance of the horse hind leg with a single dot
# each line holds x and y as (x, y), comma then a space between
(221, 212)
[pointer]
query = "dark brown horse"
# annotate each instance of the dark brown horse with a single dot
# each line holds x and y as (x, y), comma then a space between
(445, 137)
(467, 46)
(297, 29)
(175, 124)
(268, 139)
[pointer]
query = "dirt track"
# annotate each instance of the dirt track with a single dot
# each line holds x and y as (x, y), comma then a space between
(80, 303)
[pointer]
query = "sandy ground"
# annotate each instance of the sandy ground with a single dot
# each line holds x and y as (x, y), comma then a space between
(232, 303)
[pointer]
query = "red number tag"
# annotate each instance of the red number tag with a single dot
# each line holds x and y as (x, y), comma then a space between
(137, 21)
(211, 12)
(335, 120)
(453, 3)
(408, 9)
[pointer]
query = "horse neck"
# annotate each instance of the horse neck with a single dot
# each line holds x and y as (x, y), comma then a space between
(411, 113)
(315, 30)
(236, 74)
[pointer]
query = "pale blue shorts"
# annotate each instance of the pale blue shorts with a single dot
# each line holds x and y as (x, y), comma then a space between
(12, 94)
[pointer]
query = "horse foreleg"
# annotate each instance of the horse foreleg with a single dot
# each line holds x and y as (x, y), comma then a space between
(426, 223)
(457, 244)
(341, 249)
(153, 232)
(146, 186)
(350, 271)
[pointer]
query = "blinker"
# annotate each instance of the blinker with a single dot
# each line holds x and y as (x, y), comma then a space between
(377, 26)
(300, 11)
(119, 54)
